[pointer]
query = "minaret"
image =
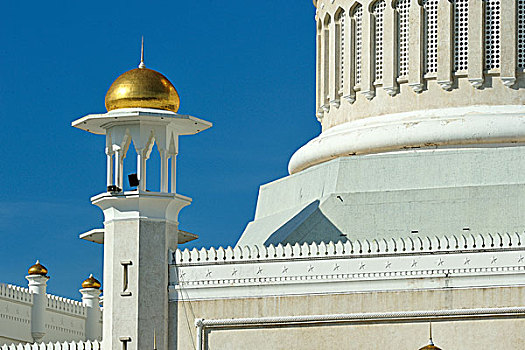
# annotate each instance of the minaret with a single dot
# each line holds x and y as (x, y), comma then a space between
(140, 226)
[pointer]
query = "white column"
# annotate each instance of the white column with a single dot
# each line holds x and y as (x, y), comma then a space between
(334, 67)
(109, 157)
(91, 299)
(476, 45)
(367, 55)
(390, 52)
(416, 47)
(141, 169)
(508, 42)
(118, 168)
(38, 286)
(163, 171)
(173, 173)
(445, 44)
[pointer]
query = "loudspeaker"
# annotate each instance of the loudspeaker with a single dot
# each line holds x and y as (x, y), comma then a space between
(133, 180)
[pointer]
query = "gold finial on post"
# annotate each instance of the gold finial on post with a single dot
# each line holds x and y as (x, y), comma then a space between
(431, 342)
(142, 65)
(154, 339)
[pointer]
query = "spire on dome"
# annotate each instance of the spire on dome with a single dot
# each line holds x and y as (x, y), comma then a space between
(142, 65)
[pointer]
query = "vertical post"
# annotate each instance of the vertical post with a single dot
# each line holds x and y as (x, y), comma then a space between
(109, 164)
(476, 35)
(416, 42)
(141, 168)
(91, 299)
(200, 327)
(390, 51)
(325, 74)
(173, 173)
(368, 58)
(508, 35)
(349, 58)
(163, 171)
(445, 44)
(38, 286)
(318, 79)
(333, 56)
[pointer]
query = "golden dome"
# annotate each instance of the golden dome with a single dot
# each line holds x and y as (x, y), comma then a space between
(91, 282)
(430, 347)
(142, 88)
(37, 269)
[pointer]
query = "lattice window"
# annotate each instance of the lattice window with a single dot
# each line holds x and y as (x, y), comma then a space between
(402, 8)
(460, 35)
(357, 16)
(492, 34)
(430, 7)
(521, 34)
(378, 10)
(341, 20)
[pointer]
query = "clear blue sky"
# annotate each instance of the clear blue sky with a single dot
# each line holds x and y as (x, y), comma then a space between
(246, 65)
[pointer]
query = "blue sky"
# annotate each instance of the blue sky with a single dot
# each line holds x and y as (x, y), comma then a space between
(245, 65)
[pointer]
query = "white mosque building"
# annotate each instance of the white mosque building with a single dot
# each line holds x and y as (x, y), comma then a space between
(407, 210)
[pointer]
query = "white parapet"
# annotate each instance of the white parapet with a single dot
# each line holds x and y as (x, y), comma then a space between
(88, 345)
(457, 261)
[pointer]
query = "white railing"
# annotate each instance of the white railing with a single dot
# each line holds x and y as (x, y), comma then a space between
(17, 293)
(88, 345)
(382, 246)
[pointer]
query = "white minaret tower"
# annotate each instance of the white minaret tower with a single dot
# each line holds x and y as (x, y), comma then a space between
(140, 226)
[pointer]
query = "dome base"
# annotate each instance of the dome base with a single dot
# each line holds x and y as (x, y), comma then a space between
(471, 126)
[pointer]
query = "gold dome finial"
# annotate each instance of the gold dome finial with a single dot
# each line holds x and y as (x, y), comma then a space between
(154, 339)
(142, 88)
(141, 64)
(37, 269)
(430, 345)
(91, 282)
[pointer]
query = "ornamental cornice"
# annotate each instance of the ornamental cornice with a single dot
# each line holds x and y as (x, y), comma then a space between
(502, 263)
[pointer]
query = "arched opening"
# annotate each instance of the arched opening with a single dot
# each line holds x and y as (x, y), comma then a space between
(402, 8)
(430, 9)
(378, 10)
(357, 40)
(492, 34)
(340, 51)
(460, 35)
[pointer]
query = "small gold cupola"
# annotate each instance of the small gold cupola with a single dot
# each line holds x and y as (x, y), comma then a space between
(91, 282)
(37, 269)
(142, 88)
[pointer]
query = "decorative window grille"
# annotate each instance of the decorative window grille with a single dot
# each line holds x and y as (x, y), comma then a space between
(460, 35)
(492, 34)
(521, 34)
(378, 10)
(358, 20)
(430, 8)
(341, 20)
(319, 62)
(402, 8)
(326, 61)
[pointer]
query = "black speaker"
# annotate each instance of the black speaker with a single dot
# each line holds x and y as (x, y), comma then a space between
(133, 180)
